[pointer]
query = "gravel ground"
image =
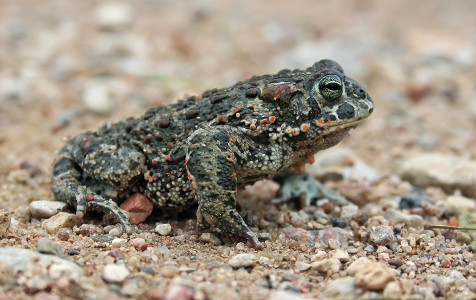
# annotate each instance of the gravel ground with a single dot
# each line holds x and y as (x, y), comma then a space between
(71, 66)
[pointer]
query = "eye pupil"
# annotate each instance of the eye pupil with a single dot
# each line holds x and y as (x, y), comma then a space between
(333, 86)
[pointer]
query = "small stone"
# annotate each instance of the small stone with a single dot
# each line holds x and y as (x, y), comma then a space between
(113, 273)
(210, 238)
(410, 201)
(358, 264)
(176, 291)
(102, 238)
(60, 220)
(45, 296)
(446, 171)
(374, 276)
(163, 229)
(461, 204)
(334, 233)
(113, 16)
(7, 276)
(342, 288)
(324, 265)
(89, 230)
(20, 260)
(338, 222)
(349, 211)
(319, 255)
(341, 255)
(116, 243)
(299, 234)
(43, 209)
(5, 219)
(139, 208)
(392, 291)
(63, 234)
(302, 266)
(97, 97)
(47, 246)
(396, 216)
(139, 243)
(169, 271)
(116, 231)
(382, 235)
(242, 260)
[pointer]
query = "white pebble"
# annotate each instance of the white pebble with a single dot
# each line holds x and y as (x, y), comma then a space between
(163, 229)
(242, 260)
(45, 208)
(115, 273)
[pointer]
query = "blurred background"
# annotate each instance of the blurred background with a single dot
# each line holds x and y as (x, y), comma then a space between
(70, 66)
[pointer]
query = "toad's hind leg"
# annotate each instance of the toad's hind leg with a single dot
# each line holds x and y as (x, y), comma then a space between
(67, 187)
(211, 169)
(88, 174)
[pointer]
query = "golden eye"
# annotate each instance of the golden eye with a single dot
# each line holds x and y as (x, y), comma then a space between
(330, 87)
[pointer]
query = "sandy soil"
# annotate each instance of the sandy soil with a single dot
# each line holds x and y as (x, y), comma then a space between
(416, 59)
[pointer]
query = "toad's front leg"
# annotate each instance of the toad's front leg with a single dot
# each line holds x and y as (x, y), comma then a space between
(211, 170)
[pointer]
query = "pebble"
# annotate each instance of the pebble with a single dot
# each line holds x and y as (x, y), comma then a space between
(22, 260)
(169, 271)
(324, 265)
(139, 208)
(116, 243)
(334, 233)
(374, 276)
(210, 238)
(382, 235)
(102, 238)
(358, 264)
(60, 220)
(163, 229)
(349, 211)
(113, 16)
(461, 204)
(139, 244)
(47, 246)
(63, 234)
(176, 291)
(397, 216)
(242, 260)
(7, 276)
(338, 222)
(89, 230)
(116, 231)
(342, 288)
(43, 209)
(341, 255)
(300, 234)
(5, 220)
(113, 273)
(392, 291)
(96, 97)
(302, 266)
(442, 170)
(410, 201)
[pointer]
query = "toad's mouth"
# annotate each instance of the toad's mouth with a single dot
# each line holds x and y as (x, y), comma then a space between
(331, 128)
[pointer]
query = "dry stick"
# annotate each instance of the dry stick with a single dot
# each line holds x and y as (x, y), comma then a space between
(435, 226)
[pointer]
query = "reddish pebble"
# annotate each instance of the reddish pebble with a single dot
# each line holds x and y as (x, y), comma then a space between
(139, 208)
(116, 254)
(139, 244)
(453, 221)
(446, 264)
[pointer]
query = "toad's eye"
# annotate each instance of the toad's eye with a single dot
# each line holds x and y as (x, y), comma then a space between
(330, 87)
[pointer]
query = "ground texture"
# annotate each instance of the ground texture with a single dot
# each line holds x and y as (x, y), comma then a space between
(71, 66)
